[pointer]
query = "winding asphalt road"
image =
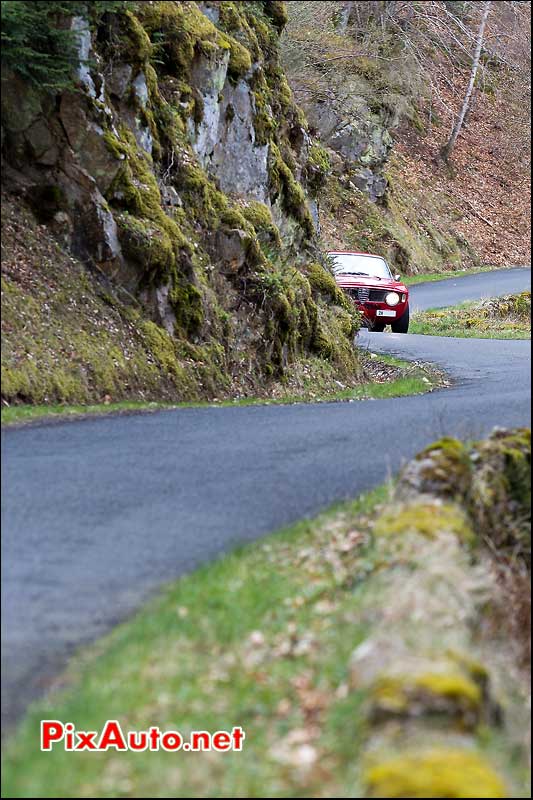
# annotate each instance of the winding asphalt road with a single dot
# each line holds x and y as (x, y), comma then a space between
(98, 513)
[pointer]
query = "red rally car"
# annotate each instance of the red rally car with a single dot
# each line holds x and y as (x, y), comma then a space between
(379, 294)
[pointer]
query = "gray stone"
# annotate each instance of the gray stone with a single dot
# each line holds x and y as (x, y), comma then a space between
(108, 248)
(140, 89)
(238, 164)
(21, 104)
(230, 246)
(371, 184)
(165, 313)
(118, 80)
(42, 143)
(143, 137)
(73, 119)
(211, 11)
(96, 158)
(208, 76)
(169, 196)
(84, 43)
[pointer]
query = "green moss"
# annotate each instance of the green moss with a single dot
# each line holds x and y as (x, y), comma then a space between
(136, 45)
(450, 694)
(181, 31)
(264, 122)
(204, 202)
(426, 519)
(284, 183)
(69, 345)
(148, 235)
(210, 366)
(164, 350)
(147, 244)
(317, 168)
(233, 217)
(186, 300)
(435, 773)
(453, 687)
(323, 282)
(229, 17)
(260, 216)
(477, 671)
(240, 61)
(329, 339)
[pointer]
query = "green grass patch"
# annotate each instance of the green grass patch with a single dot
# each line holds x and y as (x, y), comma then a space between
(416, 381)
(498, 318)
(26, 413)
(260, 638)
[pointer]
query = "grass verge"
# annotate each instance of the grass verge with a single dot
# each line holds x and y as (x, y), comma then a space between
(498, 318)
(408, 379)
(260, 638)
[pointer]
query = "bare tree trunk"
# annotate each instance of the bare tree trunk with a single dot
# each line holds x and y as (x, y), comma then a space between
(450, 144)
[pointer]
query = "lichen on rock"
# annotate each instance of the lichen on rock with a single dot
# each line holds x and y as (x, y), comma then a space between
(435, 773)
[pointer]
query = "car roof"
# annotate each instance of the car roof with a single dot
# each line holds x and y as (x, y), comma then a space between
(353, 253)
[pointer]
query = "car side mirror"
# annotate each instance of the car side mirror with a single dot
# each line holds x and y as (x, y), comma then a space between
(397, 277)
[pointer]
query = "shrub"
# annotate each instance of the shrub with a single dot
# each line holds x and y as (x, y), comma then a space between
(38, 45)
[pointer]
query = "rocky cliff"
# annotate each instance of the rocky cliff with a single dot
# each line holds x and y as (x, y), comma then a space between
(381, 84)
(178, 170)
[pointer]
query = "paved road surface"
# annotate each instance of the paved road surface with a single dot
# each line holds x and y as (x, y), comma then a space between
(98, 513)
(451, 292)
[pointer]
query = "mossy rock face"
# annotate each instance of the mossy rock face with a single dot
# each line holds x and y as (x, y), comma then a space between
(183, 32)
(435, 773)
(260, 216)
(284, 184)
(323, 284)
(167, 71)
(443, 469)
(317, 168)
(491, 481)
(500, 494)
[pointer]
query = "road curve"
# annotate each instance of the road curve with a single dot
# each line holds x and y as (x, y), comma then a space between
(452, 291)
(98, 513)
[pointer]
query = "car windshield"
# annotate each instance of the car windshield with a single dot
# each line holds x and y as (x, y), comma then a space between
(352, 264)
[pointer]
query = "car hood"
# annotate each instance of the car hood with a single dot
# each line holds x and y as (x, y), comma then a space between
(347, 281)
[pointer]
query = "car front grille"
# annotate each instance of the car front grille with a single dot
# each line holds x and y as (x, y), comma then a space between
(363, 294)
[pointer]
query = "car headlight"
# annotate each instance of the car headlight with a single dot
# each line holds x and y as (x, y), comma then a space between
(392, 299)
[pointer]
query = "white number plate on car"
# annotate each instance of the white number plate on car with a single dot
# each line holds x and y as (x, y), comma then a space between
(384, 313)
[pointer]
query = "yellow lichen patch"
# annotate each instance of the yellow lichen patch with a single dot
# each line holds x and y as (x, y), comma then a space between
(436, 773)
(428, 519)
(454, 687)
(450, 694)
